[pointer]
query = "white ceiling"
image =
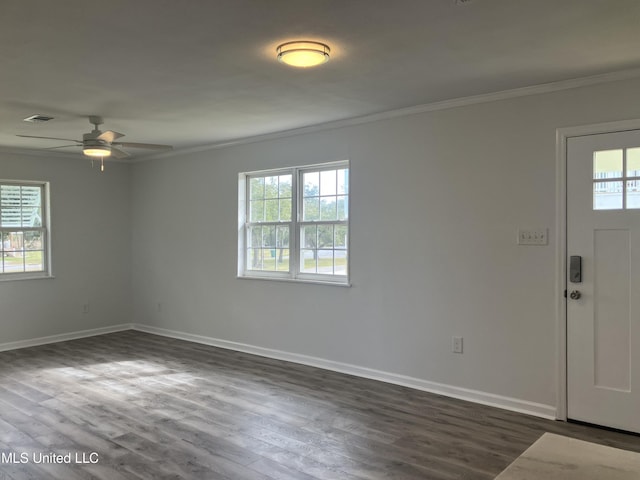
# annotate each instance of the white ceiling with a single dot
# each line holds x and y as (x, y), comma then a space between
(199, 72)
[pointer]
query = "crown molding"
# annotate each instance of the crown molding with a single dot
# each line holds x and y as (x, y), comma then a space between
(415, 110)
(374, 117)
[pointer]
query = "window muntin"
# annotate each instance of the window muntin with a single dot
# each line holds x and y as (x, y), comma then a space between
(295, 223)
(23, 229)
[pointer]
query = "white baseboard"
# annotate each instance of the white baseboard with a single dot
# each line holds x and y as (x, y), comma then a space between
(63, 337)
(484, 398)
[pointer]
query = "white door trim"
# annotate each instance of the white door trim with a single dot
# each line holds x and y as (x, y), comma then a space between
(562, 136)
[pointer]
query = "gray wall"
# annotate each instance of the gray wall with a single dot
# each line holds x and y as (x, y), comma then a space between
(437, 199)
(91, 239)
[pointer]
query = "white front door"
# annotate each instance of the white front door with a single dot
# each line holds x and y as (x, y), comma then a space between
(603, 324)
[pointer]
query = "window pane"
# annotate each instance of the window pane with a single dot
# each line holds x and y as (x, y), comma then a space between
(14, 263)
(285, 210)
(308, 261)
(254, 237)
(607, 195)
(325, 262)
(257, 211)
(31, 217)
(340, 236)
(328, 182)
(343, 181)
(285, 186)
(340, 262)
(607, 164)
(633, 194)
(11, 217)
(6, 243)
(282, 262)
(31, 196)
(282, 236)
(269, 259)
(10, 195)
(255, 258)
(325, 236)
(633, 162)
(311, 182)
(256, 187)
(343, 207)
(308, 237)
(34, 261)
(16, 240)
(269, 236)
(311, 209)
(272, 210)
(33, 241)
(328, 208)
(271, 187)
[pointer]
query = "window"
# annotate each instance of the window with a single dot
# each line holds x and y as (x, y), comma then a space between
(23, 230)
(294, 223)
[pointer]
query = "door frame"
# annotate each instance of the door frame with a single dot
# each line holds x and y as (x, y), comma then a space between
(563, 134)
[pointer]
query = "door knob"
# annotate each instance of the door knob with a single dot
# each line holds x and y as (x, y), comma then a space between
(575, 295)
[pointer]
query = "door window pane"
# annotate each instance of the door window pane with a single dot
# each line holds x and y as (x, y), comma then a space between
(607, 164)
(633, 162)
(633, 193)
(607, 195)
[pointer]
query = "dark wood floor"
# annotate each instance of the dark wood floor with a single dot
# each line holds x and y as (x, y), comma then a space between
(159, 408)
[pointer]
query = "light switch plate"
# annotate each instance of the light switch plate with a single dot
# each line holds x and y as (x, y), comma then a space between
(529, 236)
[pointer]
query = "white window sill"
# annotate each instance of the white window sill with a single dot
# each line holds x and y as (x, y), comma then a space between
(9, 277)
(294, 280)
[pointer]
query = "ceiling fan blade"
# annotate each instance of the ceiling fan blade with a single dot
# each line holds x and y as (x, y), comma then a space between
(116, 152)
(110, 136)
(51, 138)
(152, 146)
(64, 146)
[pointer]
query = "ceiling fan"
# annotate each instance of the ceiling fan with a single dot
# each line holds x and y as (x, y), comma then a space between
(102, 144)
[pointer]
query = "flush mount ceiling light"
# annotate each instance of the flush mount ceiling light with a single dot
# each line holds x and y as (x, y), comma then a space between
(303, 54)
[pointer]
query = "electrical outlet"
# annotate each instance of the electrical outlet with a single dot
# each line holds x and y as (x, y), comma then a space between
(159, 307)
(538, 236)
(85, 308)
(456, 344)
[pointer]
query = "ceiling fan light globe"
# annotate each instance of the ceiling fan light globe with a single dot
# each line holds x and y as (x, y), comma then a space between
(97, 151)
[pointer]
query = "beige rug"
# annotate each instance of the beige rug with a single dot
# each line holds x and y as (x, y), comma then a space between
(554, 457)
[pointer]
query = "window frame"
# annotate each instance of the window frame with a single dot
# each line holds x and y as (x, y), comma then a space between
(45, 229)
(294, 274)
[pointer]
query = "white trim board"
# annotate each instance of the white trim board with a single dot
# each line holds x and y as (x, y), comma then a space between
(484, 398)
(63, 337)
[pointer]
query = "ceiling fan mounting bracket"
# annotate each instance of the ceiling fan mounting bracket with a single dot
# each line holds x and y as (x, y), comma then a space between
(96, 120)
